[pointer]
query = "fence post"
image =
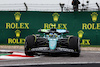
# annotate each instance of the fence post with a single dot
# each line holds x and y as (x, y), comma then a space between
(26, 6)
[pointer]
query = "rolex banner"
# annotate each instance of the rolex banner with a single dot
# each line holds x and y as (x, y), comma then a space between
(15, 26)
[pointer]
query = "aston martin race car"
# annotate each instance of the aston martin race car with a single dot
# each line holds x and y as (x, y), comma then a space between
(52, 42)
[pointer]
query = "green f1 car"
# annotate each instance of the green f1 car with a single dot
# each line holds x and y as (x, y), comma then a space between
(52, 42)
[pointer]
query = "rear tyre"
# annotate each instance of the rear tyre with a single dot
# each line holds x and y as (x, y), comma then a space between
(74, 43)
(29, 44)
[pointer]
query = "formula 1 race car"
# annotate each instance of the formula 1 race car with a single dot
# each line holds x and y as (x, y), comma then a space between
(52, 42)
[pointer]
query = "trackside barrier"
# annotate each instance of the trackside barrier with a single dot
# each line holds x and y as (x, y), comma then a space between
(15, 26)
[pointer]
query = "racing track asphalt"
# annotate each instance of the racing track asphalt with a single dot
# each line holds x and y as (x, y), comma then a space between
(85, 57)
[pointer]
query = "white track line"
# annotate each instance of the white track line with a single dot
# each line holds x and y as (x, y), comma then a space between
(92, 52)
(5, 51)
(16, 53)
(51, 63)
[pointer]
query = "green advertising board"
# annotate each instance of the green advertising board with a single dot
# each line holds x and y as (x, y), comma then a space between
(15, 26)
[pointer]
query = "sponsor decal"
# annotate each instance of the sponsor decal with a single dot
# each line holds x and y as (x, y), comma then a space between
(58, 49)
(80, 34)
(17, 26)
(89, 26)
(83, 41)
(17, 33)
(65, 49)
(55, 17)
(94, 16)
(16, 41)
(57, 25)
(92, 25)
(17, 16)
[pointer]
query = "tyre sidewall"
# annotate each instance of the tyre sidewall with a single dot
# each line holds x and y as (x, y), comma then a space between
(74, 43)
(29, 44)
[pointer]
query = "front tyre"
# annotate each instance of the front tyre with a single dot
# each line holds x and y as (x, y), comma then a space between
(29, 44)
(74, 43)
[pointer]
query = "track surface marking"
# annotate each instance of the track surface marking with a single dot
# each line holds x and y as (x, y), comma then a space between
(13, 55)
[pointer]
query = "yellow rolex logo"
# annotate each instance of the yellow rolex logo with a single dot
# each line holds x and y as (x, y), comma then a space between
(94, 16)
(55, 17)
(17, 16)
(17, 33)
(80, 34)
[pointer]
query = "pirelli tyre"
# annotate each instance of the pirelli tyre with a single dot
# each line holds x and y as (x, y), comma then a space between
(74, 43)
(29, 44)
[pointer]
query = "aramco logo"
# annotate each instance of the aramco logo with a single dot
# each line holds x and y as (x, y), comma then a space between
(17, 16)
(94, 16)
(55, 17)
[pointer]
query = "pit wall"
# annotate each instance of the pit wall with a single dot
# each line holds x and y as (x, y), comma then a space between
(15, 26)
